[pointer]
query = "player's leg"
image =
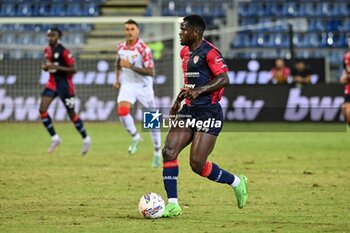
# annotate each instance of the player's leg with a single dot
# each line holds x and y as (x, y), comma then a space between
(146, 98)
(202, 146)
(126, 99)
(176, 140)
(47, 97)
(346, 112)
(69, 103)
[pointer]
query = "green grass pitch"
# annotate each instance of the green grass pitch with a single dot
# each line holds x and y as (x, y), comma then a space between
(298, 182)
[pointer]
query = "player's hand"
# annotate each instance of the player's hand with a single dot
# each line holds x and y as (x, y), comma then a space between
(116, 85)
(174, 109)
(46, 66)
(191, 93)
(125, 63)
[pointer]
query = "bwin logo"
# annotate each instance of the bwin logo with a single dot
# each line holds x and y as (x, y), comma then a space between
(151, 120)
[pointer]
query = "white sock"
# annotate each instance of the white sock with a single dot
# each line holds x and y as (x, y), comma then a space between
(156, 138)
(173, 200)
(236, 181)
(137, 136)
(129, 124)
(55, 137)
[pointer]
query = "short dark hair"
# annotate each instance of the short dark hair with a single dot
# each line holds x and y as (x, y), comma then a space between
(131, 21)
(55, 30)
(196, 21)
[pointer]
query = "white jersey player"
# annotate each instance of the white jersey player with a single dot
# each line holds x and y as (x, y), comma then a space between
(134, 78)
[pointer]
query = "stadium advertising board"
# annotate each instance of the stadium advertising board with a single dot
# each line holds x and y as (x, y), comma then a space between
(258, 71)
(20, 90)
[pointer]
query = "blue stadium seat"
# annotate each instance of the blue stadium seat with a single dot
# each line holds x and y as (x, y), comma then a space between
(40, 39)
(313, 40)
(241, 40)
(74, 9)
(90, 9)
(307, 9)
(57, 9)
(340, 9)
(275, 8)
(299, 40)
(326, 40)
(343, 40)
(280, 40)
(16, 54)
(346, 25)
(41, 9)
(25, 39)
(323, 9)
(243, 9)
(8, 10)
(24, 9)
(334, 25)
(289, 9)
(8, 38)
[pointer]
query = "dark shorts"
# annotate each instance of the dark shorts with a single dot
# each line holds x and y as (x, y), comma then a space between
(208, 119)
(67, 99)
(346, 98)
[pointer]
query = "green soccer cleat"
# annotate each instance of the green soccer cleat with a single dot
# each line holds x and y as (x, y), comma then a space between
(133, 146)
(172, 210)
(241, 192)
(156, 160)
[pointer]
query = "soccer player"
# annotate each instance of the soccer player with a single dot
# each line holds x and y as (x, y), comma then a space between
(60, 64)
(134, 77)
(345, 78)
(205, 76)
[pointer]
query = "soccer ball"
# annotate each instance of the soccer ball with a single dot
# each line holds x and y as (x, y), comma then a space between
(151, 205)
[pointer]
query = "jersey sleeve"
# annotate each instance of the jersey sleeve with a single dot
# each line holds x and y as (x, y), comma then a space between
(147, 58)
(68, 57)
(216, 63)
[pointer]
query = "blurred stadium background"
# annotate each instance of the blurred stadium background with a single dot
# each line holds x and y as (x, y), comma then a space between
(250, 34)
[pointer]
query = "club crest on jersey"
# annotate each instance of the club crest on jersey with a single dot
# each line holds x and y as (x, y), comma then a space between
(56, 55)
(195, 59)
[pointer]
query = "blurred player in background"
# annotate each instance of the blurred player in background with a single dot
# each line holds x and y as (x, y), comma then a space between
(345, 78)
(205, 74)
(280, 72)
(134, 78)
(301, 73)
(60, 64)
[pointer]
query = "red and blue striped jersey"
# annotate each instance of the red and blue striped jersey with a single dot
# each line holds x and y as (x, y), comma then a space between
(200, 66)
(60, 56)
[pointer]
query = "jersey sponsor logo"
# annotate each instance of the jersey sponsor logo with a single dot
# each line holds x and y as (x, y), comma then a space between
(56, 55)
(190, 85)
(195, 59)
(192, 74)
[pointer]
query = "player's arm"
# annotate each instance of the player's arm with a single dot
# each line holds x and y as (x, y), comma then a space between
(67, 69)
(68, 59)
(215, 84)
(116, 84)
(344, 77)
(143, 71)
(307, 79)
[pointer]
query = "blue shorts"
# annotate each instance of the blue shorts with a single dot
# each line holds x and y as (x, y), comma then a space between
(208, 119)
(347, 98)
(67, 99)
